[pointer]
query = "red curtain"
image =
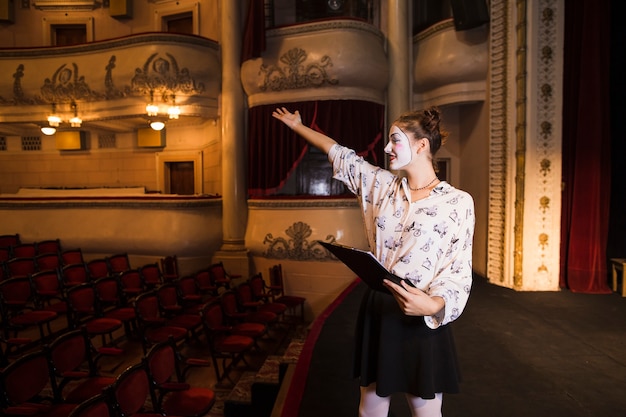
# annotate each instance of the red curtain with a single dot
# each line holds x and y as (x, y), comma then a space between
(253, 42)
(586, 147)
(274, 151)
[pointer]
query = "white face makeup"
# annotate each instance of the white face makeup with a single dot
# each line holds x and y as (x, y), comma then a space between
(398, 148)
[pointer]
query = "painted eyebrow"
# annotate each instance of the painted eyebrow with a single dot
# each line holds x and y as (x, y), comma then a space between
(398, 135)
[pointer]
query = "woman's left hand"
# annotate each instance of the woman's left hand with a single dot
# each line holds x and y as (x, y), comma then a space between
(413, 301)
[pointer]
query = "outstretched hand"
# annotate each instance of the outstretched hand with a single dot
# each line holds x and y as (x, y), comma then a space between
(413, 301)
(290, 119)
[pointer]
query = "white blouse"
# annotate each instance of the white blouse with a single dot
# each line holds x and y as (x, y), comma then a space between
(428, 241)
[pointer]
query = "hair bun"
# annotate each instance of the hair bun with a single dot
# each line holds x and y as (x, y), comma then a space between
(431, 122)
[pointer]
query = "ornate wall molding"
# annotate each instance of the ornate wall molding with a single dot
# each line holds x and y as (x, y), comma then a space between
(543, 194)
(305, 204)
(68, 5)
(296, 72)
(521, 62)
(498, 144)
(525, 152)
(315, 27)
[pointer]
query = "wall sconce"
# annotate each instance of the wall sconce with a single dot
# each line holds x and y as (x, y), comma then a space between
(152, 109)
(54, 120)
(75, 121)
(173, 111)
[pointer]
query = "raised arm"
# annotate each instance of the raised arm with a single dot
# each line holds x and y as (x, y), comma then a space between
(294, 121)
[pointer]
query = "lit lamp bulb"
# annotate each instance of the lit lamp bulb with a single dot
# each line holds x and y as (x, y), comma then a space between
(173, 112)
(152, 109)
(157, 125)
(76, 121)
(48, 130)
(54, 120)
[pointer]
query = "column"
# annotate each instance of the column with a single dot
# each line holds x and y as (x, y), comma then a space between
(400, 56)
(233, 107)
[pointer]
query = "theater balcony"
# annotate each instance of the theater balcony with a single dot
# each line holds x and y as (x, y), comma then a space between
(450, 67)
(108, 84)
(335, 59)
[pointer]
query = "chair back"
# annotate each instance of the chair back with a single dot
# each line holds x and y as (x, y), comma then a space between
(75, 274)
(162, 362)
(21, 267)
(212, 317)
(16, 293)
(71, 360)
(257, 286)
(71, 351)
(147, 307)
(169, 298)
(131, 282)
(72, 256)
(203, 279)
(49, 246)
(131, 390)
(108, 291)
(187, 286)
(169, 266)
(118, 263)
(218, 274)
(276, 278)
(97, 406)
(25, 378)
(9, 240)
(151, 275)
(230, 305)
(244, 293)
(81, 301)
(98, 268)
(47, 286)
(24, 250)
(48, 261)
(5, 254)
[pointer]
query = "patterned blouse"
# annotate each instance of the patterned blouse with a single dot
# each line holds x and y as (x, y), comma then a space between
(428, 241)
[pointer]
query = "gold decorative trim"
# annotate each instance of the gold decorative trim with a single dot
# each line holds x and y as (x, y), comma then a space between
(304, 204)
(58, 5)
(520, 142)
(546, 118)
(434, 29)
(498, 139)
(323, 25)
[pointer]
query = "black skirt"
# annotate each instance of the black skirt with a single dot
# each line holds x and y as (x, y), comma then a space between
(400, 353)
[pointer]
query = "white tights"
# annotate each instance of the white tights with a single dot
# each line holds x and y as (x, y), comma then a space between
(374, 406)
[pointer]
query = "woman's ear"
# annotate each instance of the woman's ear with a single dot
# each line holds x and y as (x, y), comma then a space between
(422, 144)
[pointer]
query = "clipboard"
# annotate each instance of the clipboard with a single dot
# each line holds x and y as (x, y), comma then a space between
(365, 265)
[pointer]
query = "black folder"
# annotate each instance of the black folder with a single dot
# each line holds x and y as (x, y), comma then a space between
(365, 265)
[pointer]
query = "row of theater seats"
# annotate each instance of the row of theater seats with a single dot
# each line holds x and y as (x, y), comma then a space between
(232, 321)
(233, 314)
(62, 379)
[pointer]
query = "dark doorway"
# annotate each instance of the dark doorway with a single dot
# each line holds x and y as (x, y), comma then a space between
(180, 178)
(65, 35)
(180, 23)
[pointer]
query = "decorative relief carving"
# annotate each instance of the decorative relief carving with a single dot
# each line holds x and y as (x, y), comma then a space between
(67, 85)
(297, 246)
(295, 74)
(163, 76)
(159, 75)
(545, 140)
(109, 86)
